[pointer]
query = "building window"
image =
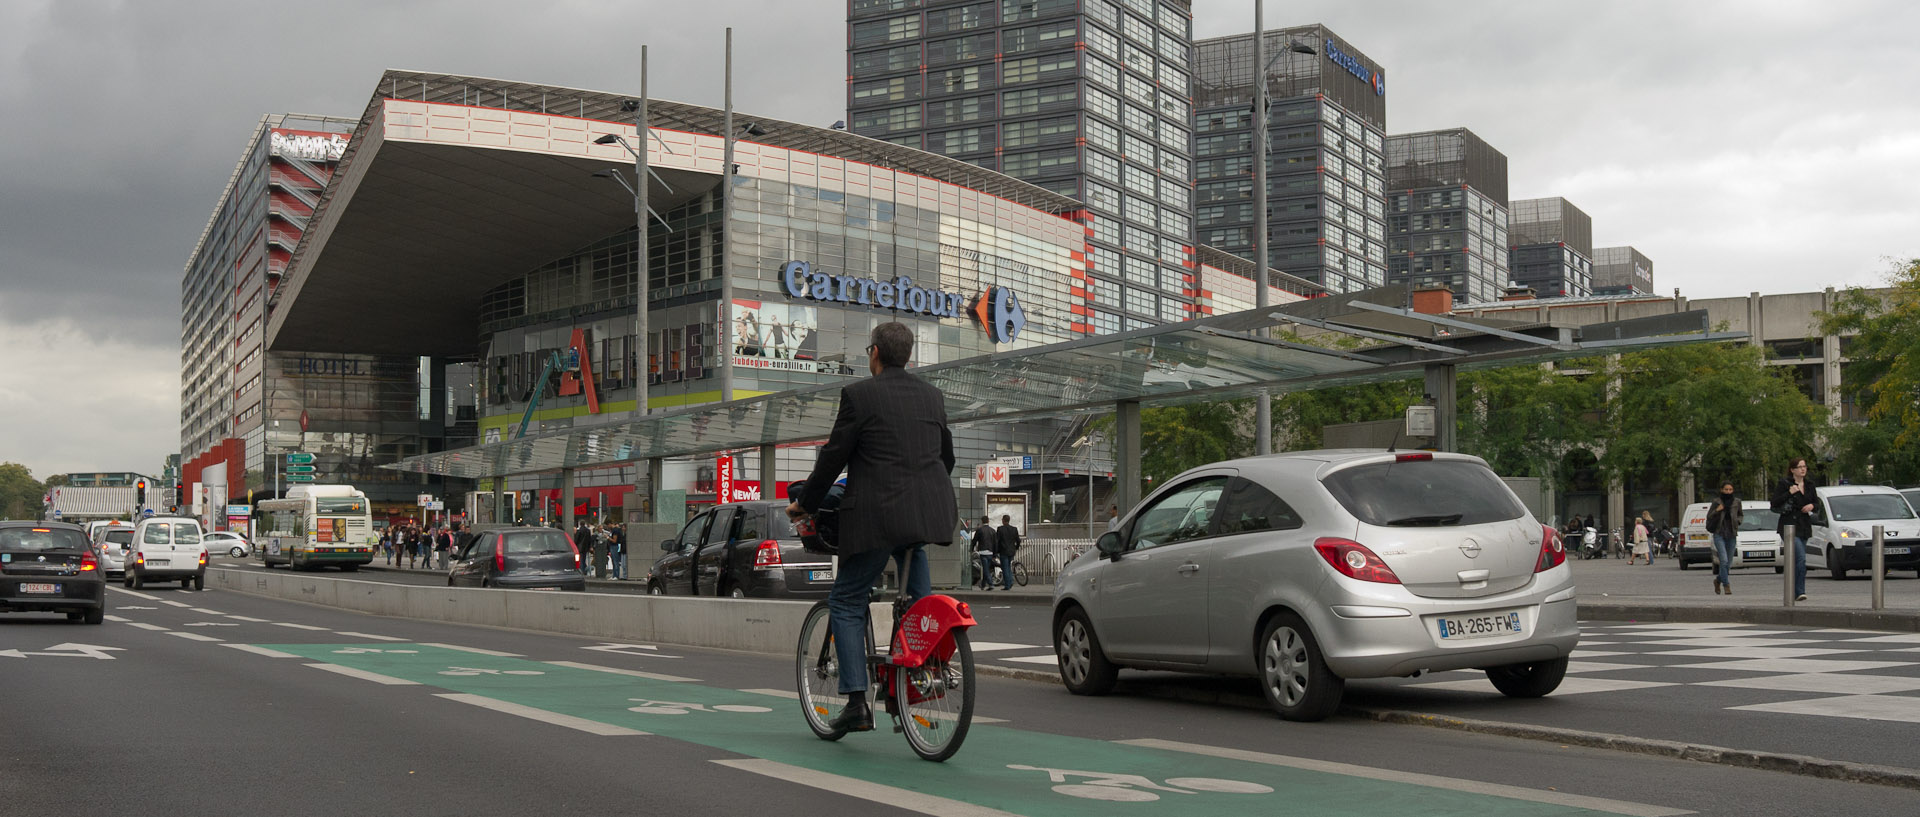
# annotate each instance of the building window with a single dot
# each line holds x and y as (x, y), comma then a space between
(1139, 180)
(960, 19)
(888, 119)
(1102, 197)
(1013, 11)
(1103, 72)
(1102, 135)
(1028, 134)
(1174, 49)
(967, 140)
(1176, 223)
(1014, 103)
(1141, 211)
(1103, 103)
(1033, 69)
(971, 109)
(1137, 89)
(960, 49)
(897, 89)
(890, 30)
(1034, 38)
(1102, 166)
(1173, 136)
(1104, 291)
(1173, 106)
(963, 79)
(1046, 162)
(1223, 120)
(1099, 41)
(886, 61)
(1174, 193)
(1139, 30)
(1137, 59)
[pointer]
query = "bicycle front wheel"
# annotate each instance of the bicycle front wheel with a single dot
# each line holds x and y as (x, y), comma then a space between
(935, 701)
(1020, 574)
(817, 673)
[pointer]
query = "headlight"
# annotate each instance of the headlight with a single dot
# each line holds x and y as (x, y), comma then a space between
(1850, 533)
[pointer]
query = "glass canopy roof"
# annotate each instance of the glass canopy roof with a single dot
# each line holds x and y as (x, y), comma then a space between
(1206, 360)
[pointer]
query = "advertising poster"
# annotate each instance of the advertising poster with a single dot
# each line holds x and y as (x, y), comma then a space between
(779, 337)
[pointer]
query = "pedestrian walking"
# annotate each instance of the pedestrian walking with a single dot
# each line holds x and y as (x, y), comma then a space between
(617, 545)
(985, 545)
(1642, 547)
(1793, 499)
(1007, 543)
(1723, 521)
(1113, 517)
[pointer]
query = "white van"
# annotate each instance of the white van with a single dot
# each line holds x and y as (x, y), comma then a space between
(1758, 544)
(167, 548)
(1842, 537)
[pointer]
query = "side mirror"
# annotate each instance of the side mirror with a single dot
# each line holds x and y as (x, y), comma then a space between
(669, 545)
(1109, 544)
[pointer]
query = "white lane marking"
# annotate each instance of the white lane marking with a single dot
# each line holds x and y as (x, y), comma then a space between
(117, 618)
(990, 646)
(912, 801)
(1899, 708)
(195, 637)
(633, 673)
(646, 650)
(530, 713)
(248, 619)
(134, 594)
(261, 651)
(364, 675)
(367, 636)
(205, 611)
(297, 626)
(1794, 665)
(175, 603)
(794, 696)
(145, 626)
(1429, 780)
(131, 607)
(1821, 682)
(1033, 659)
(475, 650)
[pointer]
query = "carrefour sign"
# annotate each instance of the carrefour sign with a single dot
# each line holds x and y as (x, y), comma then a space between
(997, 309)
(1357, 68)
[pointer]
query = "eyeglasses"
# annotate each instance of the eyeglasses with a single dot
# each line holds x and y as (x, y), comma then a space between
(872, 346)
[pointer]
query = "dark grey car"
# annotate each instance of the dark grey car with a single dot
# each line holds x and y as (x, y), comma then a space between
(50, 567)
(516, 558)
(742, 550)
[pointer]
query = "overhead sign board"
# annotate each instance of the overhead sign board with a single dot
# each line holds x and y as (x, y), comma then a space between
(299, 477)
(299, 458)
(991, 474)
(300, 469)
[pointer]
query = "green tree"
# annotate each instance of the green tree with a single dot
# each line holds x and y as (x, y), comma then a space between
(1523, 419)
(20, 493)
(1300, 417)
(1176, 438)
(1882, 378)
(1714, 409)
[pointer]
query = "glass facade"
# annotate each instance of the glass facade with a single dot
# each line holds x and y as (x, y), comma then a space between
(1621, 271)
(1447, 214)
(1325, 154)
(1552, 248)
(1087, 98)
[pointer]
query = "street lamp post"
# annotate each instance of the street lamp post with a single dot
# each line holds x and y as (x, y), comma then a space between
(1263, 406)
(641, 247)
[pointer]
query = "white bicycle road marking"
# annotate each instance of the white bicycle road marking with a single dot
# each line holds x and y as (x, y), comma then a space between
(479, 671)
(1133, 788)
(366, 650)
(649, 706)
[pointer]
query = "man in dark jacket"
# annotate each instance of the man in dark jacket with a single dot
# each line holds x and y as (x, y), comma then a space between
(986, 548)
(1009, 541)
(891, 436)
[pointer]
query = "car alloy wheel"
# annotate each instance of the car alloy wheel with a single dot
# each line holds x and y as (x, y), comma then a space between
(1084, 667)
(1294, 674)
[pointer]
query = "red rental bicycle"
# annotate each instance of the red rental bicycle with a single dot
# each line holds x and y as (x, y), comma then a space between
(924, 679)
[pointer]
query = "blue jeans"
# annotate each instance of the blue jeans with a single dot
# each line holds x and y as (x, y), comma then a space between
(847, 611)
(1006, 571)
(1799, 565)
(1724, 545)
(986, 570)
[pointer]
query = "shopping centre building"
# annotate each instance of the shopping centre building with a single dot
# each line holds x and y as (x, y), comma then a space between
(474, 221)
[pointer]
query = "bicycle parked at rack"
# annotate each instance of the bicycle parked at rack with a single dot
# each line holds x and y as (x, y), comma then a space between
(924, 680)
(998, 578)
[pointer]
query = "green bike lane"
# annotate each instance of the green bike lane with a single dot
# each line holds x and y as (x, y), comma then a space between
(999, 769)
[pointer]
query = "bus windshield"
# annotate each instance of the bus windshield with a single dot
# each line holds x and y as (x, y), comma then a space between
(339, 505)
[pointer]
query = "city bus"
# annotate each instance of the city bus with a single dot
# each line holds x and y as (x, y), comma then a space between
(317, 526)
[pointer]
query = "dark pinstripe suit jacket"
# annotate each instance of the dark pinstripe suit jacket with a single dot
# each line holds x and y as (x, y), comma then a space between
(891, 437)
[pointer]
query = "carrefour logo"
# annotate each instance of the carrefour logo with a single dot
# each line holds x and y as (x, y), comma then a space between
(997, 309)
(1377, 80)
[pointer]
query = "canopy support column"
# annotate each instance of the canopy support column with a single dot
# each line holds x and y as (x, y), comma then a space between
(1126, 452)
(769, 473)
(1442, 389)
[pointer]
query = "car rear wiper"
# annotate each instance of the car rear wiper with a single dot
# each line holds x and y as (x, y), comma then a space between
(1423, 521)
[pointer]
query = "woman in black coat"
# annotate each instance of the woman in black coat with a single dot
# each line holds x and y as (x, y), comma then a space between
(1793, 499)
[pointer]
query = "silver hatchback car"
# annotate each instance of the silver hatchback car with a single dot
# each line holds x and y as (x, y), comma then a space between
(1307, 568)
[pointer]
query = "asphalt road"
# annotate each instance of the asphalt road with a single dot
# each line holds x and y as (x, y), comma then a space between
(222, 703)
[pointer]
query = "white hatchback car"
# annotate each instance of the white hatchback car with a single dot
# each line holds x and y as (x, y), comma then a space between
(1756, 545)
(167, 548)
(1307, 568)
(1842, 537)
(232, 543)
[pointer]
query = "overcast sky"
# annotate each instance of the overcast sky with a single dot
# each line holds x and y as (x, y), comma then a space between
(1743, 146)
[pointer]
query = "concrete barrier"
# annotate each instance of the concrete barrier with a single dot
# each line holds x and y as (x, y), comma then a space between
(751, 625)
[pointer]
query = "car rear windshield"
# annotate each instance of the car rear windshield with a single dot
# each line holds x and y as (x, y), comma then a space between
(534, 542)
(120, 536)
(1869, 506)
(1424, 493)
(41, 539)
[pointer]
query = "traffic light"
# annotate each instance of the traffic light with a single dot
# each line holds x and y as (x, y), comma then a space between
(140, 493)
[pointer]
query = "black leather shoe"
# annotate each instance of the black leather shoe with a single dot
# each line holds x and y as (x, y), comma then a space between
(855, 717)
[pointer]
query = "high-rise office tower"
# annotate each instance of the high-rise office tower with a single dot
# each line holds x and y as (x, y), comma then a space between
(1326, 155)
(1447, 213)
(1621, 271)
(1552, 247)
(1088, 98)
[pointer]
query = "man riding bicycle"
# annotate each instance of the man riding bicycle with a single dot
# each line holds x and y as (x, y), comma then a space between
(891, 437)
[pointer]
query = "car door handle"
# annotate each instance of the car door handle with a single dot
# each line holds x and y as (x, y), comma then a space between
(1189, 567)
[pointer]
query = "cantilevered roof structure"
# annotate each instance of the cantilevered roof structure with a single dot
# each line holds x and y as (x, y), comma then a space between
(453, 185)
(1217, 358)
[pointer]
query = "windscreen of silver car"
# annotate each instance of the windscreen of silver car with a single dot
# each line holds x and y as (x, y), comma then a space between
(1424, 493)
(118, 537)
(1868, 506)
(1759, 520)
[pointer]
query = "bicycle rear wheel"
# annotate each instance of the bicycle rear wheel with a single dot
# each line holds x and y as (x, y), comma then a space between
(1020, 574)
(936, 701)
(817, 674)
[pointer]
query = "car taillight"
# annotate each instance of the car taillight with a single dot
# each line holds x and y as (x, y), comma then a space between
(1553, 552)
(1418, 456)
(1354, 560)
(88, 562)
(767, 555)
(203, 558)
(576, 550)
(500, 556)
